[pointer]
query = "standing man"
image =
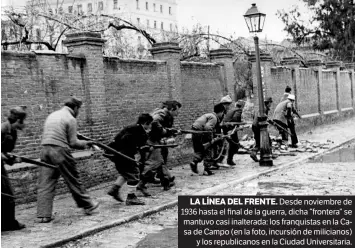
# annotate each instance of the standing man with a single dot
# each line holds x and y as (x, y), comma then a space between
(128, 142)
(59, 135)
(283, 117)
(15, 121)
(256, 129)
(206, 122)
(233, 115)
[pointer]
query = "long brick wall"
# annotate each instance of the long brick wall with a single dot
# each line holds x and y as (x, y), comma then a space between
(115, 91)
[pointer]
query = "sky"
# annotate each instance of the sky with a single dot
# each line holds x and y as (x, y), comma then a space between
(226, 16)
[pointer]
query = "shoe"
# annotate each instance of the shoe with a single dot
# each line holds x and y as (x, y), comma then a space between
(115, 193)
(88, 211)
(143, 189)
(274, 156)
(132, 199)
(207, 172)
(172, 179)
(254, 157)
(16, 226)
(193, 167)
(231, 162)
(45, 219)
(293, 146)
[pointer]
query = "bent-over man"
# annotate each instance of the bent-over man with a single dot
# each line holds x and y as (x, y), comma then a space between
(59, 135)
(128, 142)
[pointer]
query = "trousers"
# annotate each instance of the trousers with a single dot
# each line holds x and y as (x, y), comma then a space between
(48, 178)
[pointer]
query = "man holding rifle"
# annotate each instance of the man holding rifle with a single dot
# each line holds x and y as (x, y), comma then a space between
(59, 135)
(231, 119)
(15, 121)
(128, 142)
(206, 122)
(283, 117)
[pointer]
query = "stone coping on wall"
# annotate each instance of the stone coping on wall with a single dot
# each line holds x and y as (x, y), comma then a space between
(48, 52)
(18, 53)
(329, 112)
(310, 115)
(26, 166)
(188, 63)
(135, 60)
(347, 109)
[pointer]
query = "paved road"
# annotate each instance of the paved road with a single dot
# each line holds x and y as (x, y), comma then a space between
(332, 174)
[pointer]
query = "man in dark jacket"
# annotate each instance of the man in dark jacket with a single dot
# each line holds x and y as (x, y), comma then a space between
(128, 142)
(15, 121)
(233, 115)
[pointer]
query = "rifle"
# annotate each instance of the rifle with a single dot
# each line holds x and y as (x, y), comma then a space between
(221, 137)
(277, 125)
(188, 131)
(106, 148)
(32, 161)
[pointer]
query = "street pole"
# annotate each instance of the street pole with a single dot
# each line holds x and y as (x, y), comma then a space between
(265, 149)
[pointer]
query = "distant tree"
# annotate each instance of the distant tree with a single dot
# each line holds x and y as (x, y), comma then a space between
(330, 28)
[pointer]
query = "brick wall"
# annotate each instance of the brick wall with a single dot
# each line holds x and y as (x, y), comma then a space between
(115, 91)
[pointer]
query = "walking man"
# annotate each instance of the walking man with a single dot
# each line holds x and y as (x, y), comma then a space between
(256, 129)
(286, 94)
(206, 122)
(15, 121)
(59, 135)
(128, 142)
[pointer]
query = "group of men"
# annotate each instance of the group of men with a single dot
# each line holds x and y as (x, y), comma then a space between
(149, 137)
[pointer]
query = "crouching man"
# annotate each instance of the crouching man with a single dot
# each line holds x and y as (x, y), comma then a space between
(128, 141)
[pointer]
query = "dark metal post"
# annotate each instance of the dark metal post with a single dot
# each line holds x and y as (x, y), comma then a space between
(265, 149)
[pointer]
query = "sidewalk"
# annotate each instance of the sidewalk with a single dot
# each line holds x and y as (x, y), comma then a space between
(70, 222)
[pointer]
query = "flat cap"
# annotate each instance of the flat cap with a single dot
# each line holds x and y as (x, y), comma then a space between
(268, 99)
(226, 99)
(18, 112)
(73, 101)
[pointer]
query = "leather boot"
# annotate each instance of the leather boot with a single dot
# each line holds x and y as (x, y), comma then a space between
(115, 193)
(142, 188)
(207, 172)
(253, 156)
(132, 199)
(193, 166)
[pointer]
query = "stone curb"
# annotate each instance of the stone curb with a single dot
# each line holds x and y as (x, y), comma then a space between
(171, 204)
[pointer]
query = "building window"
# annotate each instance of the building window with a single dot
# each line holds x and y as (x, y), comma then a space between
(101, 5)
(138, 21)
(89, 7)
(70, 9)
(137, 3)
(171, 27)
(80, 9)
(162, 25)
(161, 8)
(147, 23)
(169, 10)
(154, 7)
(146, 6)
(155, 24)
(115, 4)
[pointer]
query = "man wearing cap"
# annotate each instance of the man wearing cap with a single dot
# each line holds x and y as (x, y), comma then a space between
(256, 128)
(283, 116)
(226, 101)
(59, 135)
(15, 121)
(286, 94)
(233, 115)
(206, 122)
